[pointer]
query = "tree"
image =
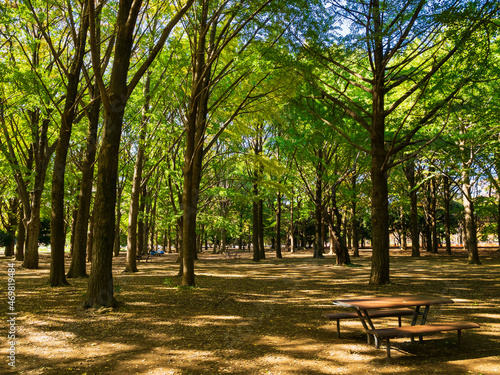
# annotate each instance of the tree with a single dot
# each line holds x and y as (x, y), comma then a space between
(214, 29)
(115, 98)
(384, 77)
(26, 112)
(9, 220)
(72, 75)
(131, 262)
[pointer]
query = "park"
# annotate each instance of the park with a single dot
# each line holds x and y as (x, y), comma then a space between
(250, 187)
(255, 318)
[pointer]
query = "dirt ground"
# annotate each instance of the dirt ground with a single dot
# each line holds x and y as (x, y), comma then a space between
(251, 318)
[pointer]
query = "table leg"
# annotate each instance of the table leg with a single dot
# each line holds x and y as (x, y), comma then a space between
(415, 315)
(424, 315)
(414, 320)
(367, 325)
(423, 321)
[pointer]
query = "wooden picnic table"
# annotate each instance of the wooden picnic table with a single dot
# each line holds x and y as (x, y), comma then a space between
(392, 302)
(364, 305)
(366, 308)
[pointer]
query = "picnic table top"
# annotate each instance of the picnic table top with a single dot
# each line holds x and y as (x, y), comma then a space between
(392, 302)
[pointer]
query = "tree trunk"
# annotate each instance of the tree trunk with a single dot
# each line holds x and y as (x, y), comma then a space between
(292, 228)
(145, 213)
(380, 194)
(42, 156)
(498, 221)
(403, 230)
(32, 232)
(447, 224)
(354, 220)
(11, 226)
(21, 236)
(131, 260)
(261, 228)
(380, 217)
(153, 235)
(195, 126)
(409, 170)
(77, 268)
(318, 207)
(141, 226)
(116, 245)
(57, 232)
(190, 196)
(341, 251)
(470, 224)
(169, 240)
(278, 226)
(255, 221)
(433, 216)
(100, 285)
(428, 218)
(90, 239)
(240, 237)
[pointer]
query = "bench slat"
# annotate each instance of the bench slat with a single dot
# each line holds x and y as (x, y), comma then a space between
(420, 329)
(389, 333)
(372, 314)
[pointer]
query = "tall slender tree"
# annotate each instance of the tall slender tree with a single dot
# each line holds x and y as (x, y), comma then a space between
(115, 97)
(379, 77)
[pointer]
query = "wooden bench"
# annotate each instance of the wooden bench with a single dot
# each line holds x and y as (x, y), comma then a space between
(373, 314)
(139, 257)
(229, 254)
(388, 333)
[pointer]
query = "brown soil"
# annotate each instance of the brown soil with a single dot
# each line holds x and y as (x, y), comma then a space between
(251, 318)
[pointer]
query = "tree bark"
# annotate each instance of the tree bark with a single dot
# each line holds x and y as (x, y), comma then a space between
(77, 268)
(262, 248)
(11, 226)
(21, 236)
(433, 216)
(115, 97)
(42, 156)
(447, 224)
(428, 218)
(90, 239)
(403, 229)
(470, 224)
(278, 226)
(341, 251)
(380, 219)
(190, 196)
(193, 155)
(354, 220)
(131, 260)
(292, 226)
(409, 170)
(100, 285)
(318, 207)
(380, 194)
(57, 234)
(498, 221)
(116, 244)
(255, 214)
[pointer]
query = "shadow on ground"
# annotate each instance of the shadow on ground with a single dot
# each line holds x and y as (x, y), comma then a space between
(253, 318)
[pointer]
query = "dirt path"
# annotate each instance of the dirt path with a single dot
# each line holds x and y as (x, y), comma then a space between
(250, 318)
